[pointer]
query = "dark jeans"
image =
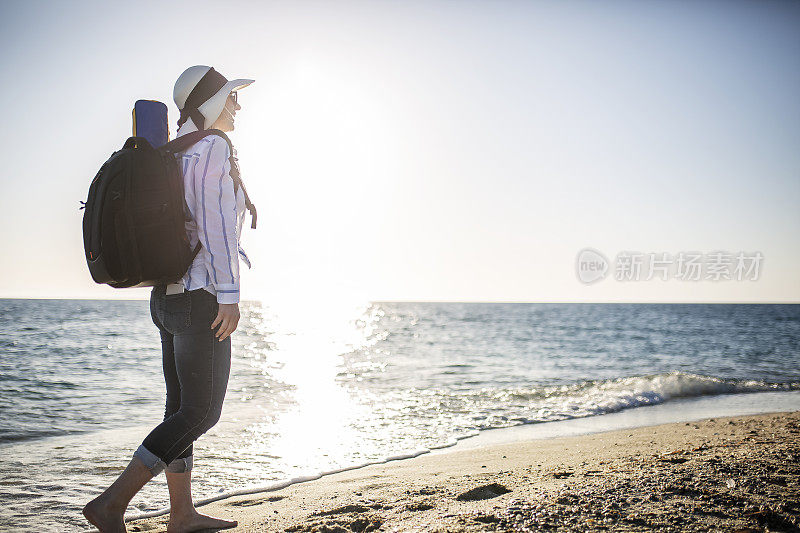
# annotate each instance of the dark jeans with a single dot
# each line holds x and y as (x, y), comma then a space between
(196, 370)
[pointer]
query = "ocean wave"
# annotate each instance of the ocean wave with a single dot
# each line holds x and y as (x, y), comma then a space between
(598, 397)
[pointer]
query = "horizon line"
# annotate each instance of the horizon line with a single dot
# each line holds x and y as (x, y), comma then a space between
(383, 301)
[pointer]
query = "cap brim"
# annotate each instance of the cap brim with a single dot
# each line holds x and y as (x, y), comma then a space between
(235, 85)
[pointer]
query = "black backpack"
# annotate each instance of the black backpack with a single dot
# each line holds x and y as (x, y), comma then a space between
(133, 224)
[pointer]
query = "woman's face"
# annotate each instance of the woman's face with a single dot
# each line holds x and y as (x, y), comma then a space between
(225, 122)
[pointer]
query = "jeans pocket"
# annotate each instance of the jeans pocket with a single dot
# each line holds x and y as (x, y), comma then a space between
(177, 315)
(205, 307)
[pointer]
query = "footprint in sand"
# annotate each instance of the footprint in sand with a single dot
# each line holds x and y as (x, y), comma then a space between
(483, 492)
(419, 506)
(352, 508)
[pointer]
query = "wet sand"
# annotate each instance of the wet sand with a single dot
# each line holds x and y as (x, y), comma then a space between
(725, 474)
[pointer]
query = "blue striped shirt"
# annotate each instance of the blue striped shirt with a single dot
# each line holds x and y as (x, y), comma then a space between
(217, 217)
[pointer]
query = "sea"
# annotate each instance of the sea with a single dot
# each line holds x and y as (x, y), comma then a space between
(320, 387)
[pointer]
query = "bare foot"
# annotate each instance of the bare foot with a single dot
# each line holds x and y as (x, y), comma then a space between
(105, 518)
(197, 522)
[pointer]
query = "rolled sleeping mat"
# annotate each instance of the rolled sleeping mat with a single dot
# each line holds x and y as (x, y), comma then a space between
(150, 122)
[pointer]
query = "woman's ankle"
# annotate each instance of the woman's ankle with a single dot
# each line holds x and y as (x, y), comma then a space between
(110, 503)
(181, 512)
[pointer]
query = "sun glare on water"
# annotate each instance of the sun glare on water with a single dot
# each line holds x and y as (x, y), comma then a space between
(309, 337)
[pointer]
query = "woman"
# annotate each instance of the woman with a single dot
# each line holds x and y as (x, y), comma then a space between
(196, 316)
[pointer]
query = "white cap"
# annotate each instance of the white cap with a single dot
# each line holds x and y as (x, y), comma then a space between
(212, 107)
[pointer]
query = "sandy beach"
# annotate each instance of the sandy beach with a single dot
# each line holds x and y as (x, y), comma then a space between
(731, 474)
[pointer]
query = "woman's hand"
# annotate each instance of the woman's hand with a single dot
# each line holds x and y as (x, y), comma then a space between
(227, 318)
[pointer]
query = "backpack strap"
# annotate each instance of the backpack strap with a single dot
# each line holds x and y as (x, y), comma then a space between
(185, 141)
(236, 176)
(196, 251)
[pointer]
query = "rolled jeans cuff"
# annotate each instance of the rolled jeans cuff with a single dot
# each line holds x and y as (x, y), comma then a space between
(150, 460)
(181, 465)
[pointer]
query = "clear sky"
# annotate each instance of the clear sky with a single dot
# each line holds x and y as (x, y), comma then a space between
(435, 150)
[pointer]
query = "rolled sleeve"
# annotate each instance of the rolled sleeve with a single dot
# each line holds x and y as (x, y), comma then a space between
(216, 221)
